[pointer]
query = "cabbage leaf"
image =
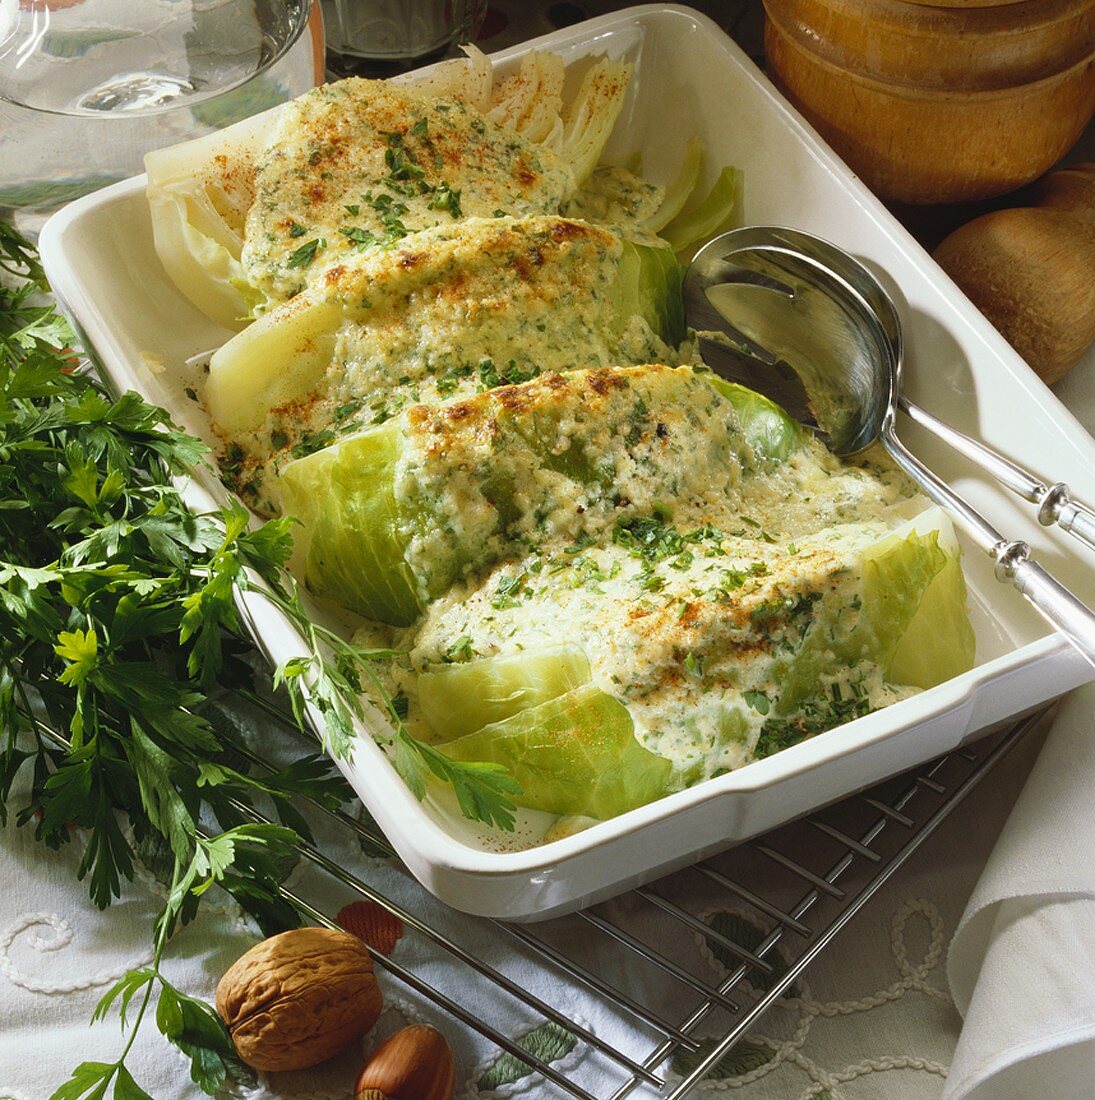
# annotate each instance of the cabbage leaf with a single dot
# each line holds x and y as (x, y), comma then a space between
(575, 754)
(458, 699)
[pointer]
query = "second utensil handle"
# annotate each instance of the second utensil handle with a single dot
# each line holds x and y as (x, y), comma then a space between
(1070, 515)
(1055, 503)
(1056, 603)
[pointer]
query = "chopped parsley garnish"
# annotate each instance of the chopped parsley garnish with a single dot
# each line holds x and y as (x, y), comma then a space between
(584, 540)
(297, 230)
(303, 256)
(448, 382)
(648, 537)
(490, 377)
(509, 591)
(313, 441)
(758, 701)
(231, 462)
(459, 651)
(822, 712)
(348, 409)
(361, 237)
(445, 198)
(400, 160)
(788, 606)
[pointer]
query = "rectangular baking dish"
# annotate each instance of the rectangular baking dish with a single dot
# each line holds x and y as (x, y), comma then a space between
(690, 79)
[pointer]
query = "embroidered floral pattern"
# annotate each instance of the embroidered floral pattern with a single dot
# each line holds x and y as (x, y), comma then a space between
(549, 1043)
(759, 1055)
(60, 939)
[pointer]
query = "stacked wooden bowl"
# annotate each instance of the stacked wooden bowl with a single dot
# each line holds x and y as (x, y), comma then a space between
(943, 100)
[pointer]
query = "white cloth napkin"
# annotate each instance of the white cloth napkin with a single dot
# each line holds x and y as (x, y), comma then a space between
(1022, 961)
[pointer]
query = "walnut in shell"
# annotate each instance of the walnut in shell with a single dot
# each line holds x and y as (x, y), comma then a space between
(297, 999)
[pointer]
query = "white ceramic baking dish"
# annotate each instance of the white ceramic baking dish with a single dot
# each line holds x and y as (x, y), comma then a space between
(689, 79)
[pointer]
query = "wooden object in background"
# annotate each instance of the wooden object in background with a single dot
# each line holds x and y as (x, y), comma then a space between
(1031, 271)
(938, 102)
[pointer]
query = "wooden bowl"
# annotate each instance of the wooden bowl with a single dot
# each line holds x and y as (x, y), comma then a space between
(933, 103)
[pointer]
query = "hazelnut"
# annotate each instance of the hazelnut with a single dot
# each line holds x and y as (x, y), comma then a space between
(299, 998)
(414, 1064)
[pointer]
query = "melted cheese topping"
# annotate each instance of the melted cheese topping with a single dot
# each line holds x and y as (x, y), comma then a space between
(618, 198)
(450, 312)
(560, 458)
(360, 163)
(686, 617)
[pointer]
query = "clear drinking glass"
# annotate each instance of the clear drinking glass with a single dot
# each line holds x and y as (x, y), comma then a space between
(396, 32)
(87, 87)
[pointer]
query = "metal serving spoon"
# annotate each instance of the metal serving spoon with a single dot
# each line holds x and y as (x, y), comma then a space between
(809, 326)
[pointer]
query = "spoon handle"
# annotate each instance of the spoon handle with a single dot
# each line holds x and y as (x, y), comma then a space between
(1061, 608)
(1055, 504)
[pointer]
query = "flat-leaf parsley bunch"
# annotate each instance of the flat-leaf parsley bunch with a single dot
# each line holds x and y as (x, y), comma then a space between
(117, 621)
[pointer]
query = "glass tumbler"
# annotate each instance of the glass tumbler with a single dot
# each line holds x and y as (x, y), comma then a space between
(87, 87)
(398, 33)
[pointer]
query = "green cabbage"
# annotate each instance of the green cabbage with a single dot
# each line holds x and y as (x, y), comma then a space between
(357, 529)
(939, 641)
(648, 285)
(679, 189)
(719, 211)
(198, 195)
(459, 699)
(356, 533)
(575, 754)
(771, 433)
(898, 582)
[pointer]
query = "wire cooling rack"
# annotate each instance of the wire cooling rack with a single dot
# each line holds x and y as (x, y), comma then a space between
(801, 907)
(855, 846)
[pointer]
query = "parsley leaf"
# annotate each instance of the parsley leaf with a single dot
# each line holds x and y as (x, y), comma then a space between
(303, 256)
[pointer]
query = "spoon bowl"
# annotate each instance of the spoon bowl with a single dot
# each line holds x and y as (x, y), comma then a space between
(813, 309)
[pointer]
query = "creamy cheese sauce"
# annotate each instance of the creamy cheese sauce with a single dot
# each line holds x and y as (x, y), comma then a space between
(617, 198)
(561, 457)
(451, 312)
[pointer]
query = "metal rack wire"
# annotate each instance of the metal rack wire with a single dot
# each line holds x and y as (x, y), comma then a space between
(866, 839)
(870, 835)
